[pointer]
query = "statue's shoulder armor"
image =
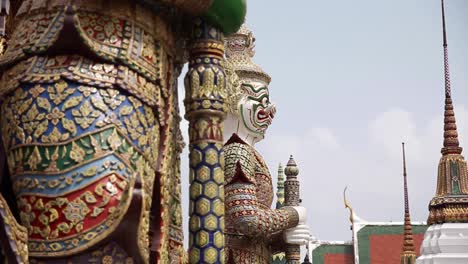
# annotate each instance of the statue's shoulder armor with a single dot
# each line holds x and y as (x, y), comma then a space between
(239, 161)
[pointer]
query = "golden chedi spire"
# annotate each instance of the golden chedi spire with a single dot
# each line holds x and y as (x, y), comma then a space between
(451, 201)
(408, 254)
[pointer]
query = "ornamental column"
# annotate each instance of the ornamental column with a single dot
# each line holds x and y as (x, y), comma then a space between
(292, 198)
(205, 85)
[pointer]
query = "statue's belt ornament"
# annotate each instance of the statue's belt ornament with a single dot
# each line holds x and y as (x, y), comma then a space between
(74, 153)
(89, 117)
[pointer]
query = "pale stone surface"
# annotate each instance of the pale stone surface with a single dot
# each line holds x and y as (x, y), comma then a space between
(445, 244)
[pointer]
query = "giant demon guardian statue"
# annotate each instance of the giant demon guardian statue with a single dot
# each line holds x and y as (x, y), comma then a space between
(253, 230)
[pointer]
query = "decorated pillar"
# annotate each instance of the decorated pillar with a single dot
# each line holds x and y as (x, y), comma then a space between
(205, 85)
(292, 198)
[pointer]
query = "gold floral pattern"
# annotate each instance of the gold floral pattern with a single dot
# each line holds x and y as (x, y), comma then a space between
(76, 211)
(54, 108)
(85, 115)
(60, 91)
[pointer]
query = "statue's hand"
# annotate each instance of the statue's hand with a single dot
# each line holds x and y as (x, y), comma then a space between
(302, 212)
(298, 235)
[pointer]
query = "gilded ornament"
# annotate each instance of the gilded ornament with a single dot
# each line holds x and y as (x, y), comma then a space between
(34, 159)
(59, 92)
(66, 95)
(77, 154)
(85, 115)
(72, 102)
(76, 211)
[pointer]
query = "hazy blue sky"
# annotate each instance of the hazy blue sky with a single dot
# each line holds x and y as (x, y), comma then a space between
(352, 80)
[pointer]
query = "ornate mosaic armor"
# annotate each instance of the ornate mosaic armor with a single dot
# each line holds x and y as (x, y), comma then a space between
(90, 128)
(253, 229)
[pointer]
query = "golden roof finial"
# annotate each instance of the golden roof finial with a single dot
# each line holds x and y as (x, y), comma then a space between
(348, 206)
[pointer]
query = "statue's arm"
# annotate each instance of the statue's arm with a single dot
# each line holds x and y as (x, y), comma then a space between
(242, 207)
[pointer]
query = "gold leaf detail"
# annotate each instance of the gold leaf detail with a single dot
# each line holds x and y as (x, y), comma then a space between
(24, 106)
(64, 227)
(44, 219)
(99, 104)
(122, 185)
(114, 141)
(54, 234)
(87, 90)
(99, 189)
(34, 159)
(53, 215)
(72, 102)
(36, 90)
(85, 116)
(112, 98)
(90, 172)
(44, 104)
(69, 181)
(55, 116)
(39, 205)
(31, 115)
(97, 211)
(97, 147)
(55, 136)
(89, 197)
(79, 227)
(136, 103)
(77, 154)
(41, 128)
(113, 178)
(53, 183)
(61, 201)
(69, 126)
(126, 110)
(76, 211)
(45, 232)
(60, 92)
